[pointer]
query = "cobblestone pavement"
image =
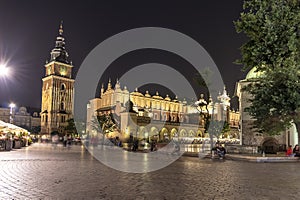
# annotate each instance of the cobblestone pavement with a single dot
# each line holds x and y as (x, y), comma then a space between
(41, 172)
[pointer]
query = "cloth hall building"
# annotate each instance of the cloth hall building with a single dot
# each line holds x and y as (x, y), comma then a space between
(169, 117)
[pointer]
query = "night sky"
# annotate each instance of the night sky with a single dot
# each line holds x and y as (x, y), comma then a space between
(28, 30)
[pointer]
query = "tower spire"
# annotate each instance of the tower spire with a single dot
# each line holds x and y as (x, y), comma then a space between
(109, 84)
(61, 31)
(59, 52)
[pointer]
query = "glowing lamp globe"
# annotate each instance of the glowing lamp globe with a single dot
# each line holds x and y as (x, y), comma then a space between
(4, 71)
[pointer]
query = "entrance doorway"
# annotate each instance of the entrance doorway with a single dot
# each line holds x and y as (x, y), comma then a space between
(270, 145)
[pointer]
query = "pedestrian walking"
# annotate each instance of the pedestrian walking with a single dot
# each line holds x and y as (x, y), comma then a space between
(54, 141)
(69, 140)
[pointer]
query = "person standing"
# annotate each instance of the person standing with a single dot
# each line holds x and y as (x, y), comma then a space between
(135, 145)
(152, 148)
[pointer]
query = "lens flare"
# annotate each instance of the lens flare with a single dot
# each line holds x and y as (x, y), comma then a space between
(4, 70)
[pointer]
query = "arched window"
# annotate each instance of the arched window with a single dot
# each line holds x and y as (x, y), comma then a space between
(62, 86)
(62, 106)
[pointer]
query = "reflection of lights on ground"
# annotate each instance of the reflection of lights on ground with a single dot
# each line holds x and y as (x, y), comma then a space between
(4, 70)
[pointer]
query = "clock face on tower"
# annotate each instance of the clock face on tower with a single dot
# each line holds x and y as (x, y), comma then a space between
(63, 71)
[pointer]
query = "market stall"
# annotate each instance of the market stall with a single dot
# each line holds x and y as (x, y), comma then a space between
(12, 136)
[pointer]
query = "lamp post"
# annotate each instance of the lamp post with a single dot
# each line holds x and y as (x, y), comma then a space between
(12, 106)
(200, 105)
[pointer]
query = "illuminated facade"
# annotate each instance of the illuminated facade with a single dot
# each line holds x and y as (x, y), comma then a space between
(169, 117)
(57, 89)
(251, 136)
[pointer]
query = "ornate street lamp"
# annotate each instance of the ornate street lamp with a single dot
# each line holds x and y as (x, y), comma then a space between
(201, 103)
(202, 106)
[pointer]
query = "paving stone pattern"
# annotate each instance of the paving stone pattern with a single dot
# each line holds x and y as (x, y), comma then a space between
(42, 172)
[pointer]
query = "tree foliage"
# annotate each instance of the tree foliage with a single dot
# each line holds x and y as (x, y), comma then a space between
(273, 47)
(71, 128)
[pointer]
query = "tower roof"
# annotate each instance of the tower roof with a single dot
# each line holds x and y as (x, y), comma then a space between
(59, 52)
(254, 74)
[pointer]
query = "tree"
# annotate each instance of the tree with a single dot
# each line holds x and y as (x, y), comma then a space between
(71, 128)
(273, 47)
(226, 127)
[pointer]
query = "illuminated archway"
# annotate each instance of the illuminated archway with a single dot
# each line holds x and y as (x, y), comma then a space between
(183, 133)
(192, 133)
(142, 133)
(174, 132)
(154, 134)
(164, 134)
(199, 133)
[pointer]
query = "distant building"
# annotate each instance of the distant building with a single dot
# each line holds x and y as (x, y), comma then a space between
(57, 89)
(5, 114)
(169, 117)
(27, 118)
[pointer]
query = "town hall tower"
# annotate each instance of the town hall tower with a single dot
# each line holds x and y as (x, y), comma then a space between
(57, 89)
